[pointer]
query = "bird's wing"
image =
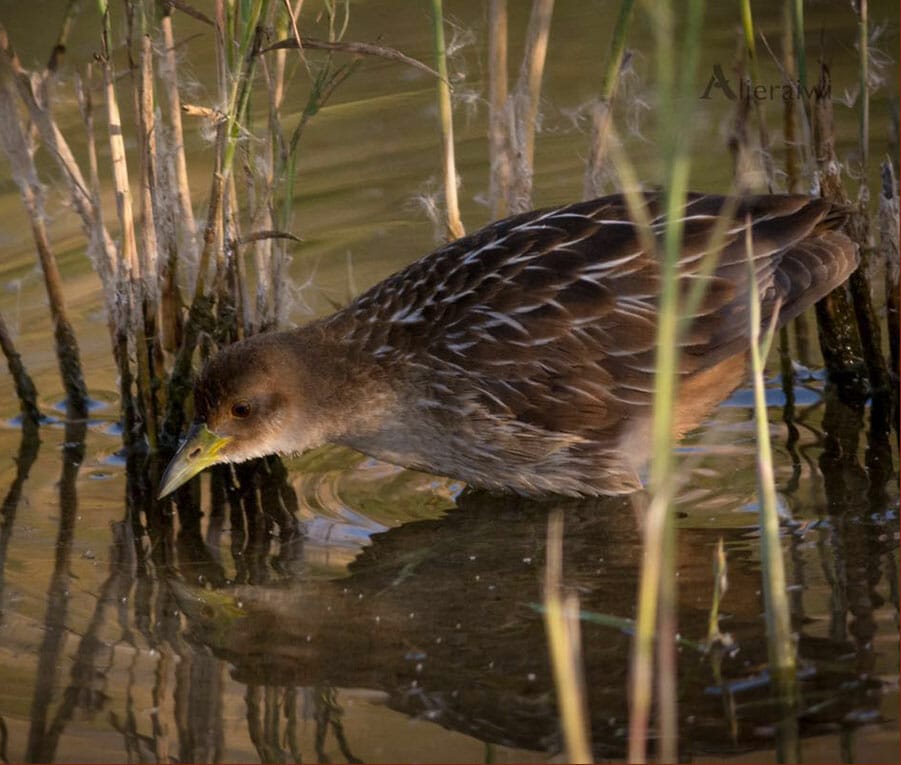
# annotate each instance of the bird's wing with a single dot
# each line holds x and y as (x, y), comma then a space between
(552, 315)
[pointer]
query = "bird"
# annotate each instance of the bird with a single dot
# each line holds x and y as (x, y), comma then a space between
(521, 358)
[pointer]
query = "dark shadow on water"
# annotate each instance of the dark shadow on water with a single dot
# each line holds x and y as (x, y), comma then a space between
(440, 616)
(44, 731)
(25, 458)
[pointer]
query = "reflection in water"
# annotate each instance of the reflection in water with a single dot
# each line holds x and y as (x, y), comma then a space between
(203, 622)
(28, 453)
(440, 617)
(44, 732)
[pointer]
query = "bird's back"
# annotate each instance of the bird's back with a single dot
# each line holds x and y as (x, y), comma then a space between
(525, 353)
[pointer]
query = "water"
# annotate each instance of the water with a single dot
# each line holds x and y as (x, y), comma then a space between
(390, 615)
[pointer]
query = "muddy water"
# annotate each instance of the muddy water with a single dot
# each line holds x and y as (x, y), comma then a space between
(399, 621)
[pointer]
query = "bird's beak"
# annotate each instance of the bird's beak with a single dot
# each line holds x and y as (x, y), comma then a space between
(200, 450)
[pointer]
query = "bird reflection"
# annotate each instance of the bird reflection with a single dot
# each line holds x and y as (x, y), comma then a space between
(443, 618)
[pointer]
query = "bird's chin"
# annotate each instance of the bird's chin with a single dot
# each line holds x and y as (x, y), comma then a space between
(236, 451)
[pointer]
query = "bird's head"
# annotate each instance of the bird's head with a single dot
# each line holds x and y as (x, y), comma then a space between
(253, 398)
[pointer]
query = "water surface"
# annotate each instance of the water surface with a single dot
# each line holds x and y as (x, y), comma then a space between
(385, 615)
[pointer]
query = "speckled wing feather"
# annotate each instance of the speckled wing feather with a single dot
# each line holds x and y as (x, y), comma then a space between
(547, 321)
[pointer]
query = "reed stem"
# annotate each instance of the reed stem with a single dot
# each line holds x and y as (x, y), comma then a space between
(657, 592)
(863, 42)
(498, 115)
(526, 98)
(445, 113)
(601, 112)
(797, 11)
(888, 249)
(561, 622)
(183, 237)
(25, 388)
(780, 642)
(747, 20)
(790, 104)
(15, 145)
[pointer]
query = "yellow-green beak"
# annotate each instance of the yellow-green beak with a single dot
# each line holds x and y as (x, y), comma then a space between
(200, 450)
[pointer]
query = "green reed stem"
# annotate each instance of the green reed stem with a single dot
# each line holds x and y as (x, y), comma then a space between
(561, 622)
(780, 644)
(251, 13)
(600, 127)
(445, 112)
(617, 48)
(720, 585)
(657, 591)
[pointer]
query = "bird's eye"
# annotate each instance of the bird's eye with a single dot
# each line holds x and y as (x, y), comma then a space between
(241, 410)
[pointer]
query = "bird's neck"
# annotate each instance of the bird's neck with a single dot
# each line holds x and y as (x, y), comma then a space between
(345, 390)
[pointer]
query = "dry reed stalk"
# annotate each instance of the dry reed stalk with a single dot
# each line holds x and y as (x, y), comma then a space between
(168, 74)
(16, 146)
(260, 204)
(601, 111)
(354, 48)
(844, 343)
(200, 315)
(185, 238)
(292, 14)
(131, 268)
(738, 142)
(118, 160)
(25, 389)
(561, 623)
(48, 78)
(863, 43)
(766, 159)
(839, 339)
(498, 129)
(446, 120)
(888, 251)
(93, 220)
(790, 104)
(794, 74)
(232, 297)
(150, 192)
(797, 16)
(261, 200)
(794, 120)
(83, 202)
(104, 261)
(526, 98)
(85, 199)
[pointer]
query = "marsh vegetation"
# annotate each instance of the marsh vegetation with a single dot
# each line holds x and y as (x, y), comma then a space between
(192, 174)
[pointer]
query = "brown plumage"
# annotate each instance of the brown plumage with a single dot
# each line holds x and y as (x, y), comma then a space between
(522, 357)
